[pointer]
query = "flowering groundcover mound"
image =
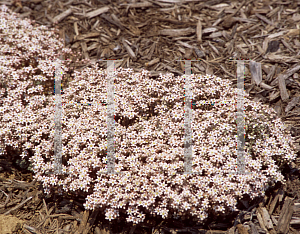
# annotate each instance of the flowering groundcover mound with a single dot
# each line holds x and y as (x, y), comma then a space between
(149, 133)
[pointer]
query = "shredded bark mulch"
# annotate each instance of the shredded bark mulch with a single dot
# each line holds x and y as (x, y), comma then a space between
(153, 35)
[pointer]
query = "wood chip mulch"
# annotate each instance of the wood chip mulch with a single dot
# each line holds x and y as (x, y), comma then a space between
(153, 35)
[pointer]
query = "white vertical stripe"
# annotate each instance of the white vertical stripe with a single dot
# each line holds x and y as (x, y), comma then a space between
(188, 151)
(57, 119)
(240, 118)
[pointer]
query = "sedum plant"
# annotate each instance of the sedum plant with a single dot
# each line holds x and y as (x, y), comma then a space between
(149, 134)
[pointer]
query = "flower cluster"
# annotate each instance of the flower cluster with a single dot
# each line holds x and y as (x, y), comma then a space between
(149, 134)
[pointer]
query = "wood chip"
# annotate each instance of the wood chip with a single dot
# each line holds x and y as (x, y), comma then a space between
(176, 32)
(97, 12)
(285, 216)
(199, 31)
(292, 103)
(63, 15)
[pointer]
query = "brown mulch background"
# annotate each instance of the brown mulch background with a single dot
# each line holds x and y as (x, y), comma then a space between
(152, 35)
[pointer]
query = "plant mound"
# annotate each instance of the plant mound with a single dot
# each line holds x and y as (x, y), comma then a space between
(149, 134)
